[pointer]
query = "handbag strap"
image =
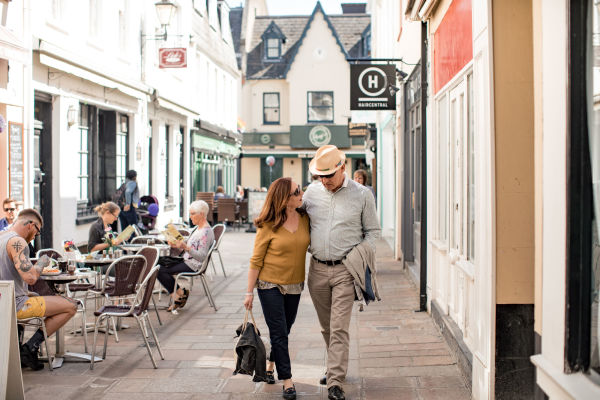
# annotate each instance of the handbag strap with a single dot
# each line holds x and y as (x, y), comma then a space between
(249, 312)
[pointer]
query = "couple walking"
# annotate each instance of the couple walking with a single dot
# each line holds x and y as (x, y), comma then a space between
(335, 216)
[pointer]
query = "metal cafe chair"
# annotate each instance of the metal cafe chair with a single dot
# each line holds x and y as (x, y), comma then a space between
(138, 309)
(218, 232)
(72, 288)
(202, 274)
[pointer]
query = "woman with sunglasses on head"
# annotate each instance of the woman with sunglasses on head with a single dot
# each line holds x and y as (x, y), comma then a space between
(277, 271)
(108, 213)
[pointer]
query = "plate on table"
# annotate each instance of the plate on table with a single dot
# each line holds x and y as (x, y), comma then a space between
(51, 271)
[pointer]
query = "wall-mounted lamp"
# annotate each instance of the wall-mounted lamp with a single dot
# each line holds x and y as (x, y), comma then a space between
(164, 11)
(71, 115)
(401, 74)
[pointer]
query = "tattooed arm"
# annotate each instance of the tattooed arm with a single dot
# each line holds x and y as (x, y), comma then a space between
(19, 252)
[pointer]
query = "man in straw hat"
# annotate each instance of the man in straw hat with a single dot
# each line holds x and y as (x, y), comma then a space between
(342, 216)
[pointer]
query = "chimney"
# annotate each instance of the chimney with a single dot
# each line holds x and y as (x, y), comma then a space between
(354, 8)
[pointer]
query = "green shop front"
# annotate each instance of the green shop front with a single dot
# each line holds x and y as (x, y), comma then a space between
(213, 163)
(303, 141)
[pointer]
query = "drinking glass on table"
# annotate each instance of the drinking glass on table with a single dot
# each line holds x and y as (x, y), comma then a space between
(71, 267)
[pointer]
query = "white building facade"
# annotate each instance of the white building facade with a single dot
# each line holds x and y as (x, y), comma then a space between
(295, 94)
(103, 106)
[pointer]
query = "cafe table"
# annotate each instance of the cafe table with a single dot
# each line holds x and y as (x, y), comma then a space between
(57, 284)
(163, 249)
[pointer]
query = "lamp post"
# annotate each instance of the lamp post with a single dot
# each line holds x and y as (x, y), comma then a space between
(165, 11)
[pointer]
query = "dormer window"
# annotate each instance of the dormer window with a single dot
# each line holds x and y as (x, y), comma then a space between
(273, 39)
(273, 48)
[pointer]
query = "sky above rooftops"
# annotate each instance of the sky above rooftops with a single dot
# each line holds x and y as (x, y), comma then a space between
(301, 7)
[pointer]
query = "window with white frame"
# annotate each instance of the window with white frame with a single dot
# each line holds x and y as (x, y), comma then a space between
(456, 170)
(271, 108)
(273, 50)
(320, 107)
(442, 168)
(122, 148)
(83, 151)
(94, 18)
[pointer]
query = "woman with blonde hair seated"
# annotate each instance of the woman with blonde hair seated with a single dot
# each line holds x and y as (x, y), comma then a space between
(192, 254)
(108, 213)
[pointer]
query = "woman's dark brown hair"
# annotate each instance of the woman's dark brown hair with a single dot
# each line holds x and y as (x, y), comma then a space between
(275, 204)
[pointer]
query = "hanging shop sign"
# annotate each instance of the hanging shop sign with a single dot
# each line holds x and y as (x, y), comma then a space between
(372, 87)
(175, 57)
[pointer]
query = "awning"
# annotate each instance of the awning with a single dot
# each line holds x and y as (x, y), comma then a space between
(90, 76)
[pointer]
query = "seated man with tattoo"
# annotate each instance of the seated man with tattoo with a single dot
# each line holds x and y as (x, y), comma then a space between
(16, 266)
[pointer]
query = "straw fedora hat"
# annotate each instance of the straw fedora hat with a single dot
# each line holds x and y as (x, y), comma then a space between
(327, 160)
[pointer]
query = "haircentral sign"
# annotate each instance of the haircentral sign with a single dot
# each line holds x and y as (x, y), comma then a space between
(372, 87)
(172, 57)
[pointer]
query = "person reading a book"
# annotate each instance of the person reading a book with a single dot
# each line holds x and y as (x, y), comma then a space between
(191, 254)
(108, 213)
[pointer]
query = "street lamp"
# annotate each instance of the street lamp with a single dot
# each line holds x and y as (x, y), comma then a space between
(164, 11)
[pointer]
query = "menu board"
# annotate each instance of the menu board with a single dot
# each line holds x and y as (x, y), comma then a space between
(15, 161)
(256, 200)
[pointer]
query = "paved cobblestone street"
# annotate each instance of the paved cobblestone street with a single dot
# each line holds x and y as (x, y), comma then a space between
(395, 353)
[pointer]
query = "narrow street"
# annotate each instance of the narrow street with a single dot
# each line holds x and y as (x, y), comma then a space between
(395, 352)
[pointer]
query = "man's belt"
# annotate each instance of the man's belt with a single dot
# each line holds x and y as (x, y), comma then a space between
(331, 263)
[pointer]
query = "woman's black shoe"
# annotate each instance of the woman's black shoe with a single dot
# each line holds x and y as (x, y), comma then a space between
(270, 378)
(323, 380)
(289, 393)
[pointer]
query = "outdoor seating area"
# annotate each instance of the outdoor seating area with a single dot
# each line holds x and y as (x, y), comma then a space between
(110, 287)
(225, 210)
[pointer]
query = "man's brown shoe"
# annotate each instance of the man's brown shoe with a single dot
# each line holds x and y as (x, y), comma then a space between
(336, 393)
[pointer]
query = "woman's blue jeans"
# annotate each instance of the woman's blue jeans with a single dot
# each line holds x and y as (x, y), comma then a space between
(280, 313)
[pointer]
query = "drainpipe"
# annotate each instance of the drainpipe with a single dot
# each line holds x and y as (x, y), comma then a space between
(423, 278)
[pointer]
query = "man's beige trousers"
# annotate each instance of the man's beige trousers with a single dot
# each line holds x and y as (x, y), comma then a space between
(332, 291)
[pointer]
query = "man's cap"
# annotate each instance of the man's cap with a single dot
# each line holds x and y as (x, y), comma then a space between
(327, 160)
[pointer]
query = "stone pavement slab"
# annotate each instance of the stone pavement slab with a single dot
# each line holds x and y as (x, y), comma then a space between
(396, 353)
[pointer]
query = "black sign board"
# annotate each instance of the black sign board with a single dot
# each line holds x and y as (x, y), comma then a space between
(372, 87)
(16, 160)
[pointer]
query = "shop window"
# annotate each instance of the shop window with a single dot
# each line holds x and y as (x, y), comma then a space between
(122, 148)
(455, 166)
(442, 169)
(271, 108)
(83, 152)
(320, 106)
(102, 155)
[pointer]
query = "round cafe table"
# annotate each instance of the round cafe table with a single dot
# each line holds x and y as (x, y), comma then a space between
(57, 285)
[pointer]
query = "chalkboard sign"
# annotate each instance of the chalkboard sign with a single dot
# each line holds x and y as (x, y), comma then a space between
(15, 160)
(11, 380)
(256, 200)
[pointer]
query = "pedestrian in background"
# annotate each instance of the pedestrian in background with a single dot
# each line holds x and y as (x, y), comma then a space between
(342, 217)
(128, 215)
(360, 176)
(220, 193)
(277, 270)
(10, 212)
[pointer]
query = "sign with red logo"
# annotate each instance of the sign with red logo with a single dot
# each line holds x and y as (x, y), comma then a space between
(172, 57)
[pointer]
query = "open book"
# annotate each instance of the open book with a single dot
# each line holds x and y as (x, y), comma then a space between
(171, 234)
(126, 233)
